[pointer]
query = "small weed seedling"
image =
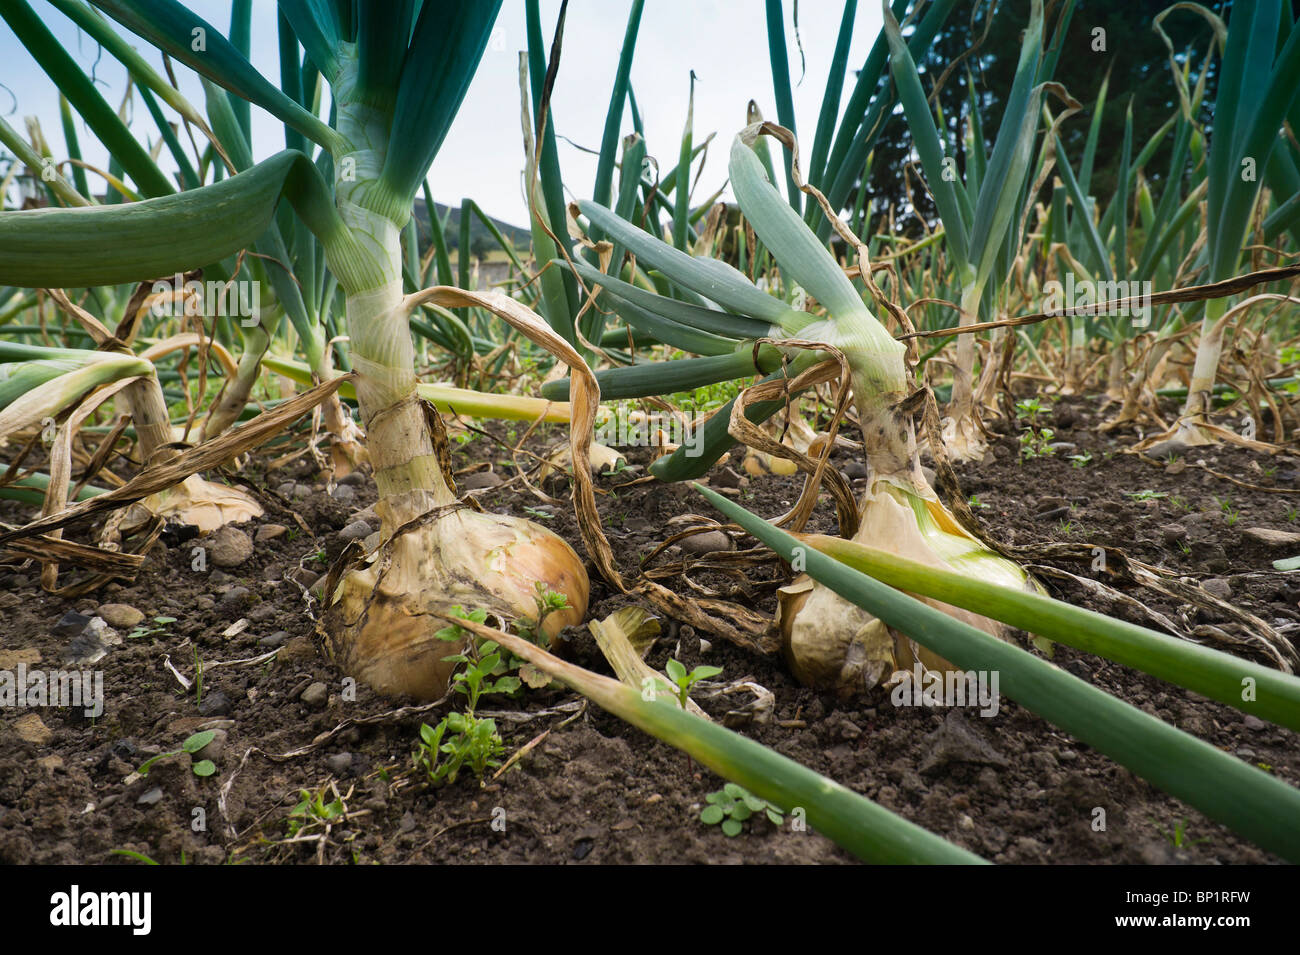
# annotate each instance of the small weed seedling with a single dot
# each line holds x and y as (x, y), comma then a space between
(1291, 514)
(548, 602)
(1028, 409)
(204, 767)
(530, 628)
(154, 627)
(975, 501)
(540, 515)
(684, 681)
(1036, 443)
(463, 739)
(1080, 460)
(1146, 495)
(1178, 838)
(312, 810)
(732, 805)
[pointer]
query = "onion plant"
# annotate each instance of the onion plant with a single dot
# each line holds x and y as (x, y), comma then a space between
(1258, 83)
(397, 74)
(829, 641)
(980, 213)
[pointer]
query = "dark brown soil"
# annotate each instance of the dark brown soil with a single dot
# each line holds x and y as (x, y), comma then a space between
(594, 789)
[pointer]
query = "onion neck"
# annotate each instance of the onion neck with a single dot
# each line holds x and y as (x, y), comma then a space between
(407, 472)
(1208, 351)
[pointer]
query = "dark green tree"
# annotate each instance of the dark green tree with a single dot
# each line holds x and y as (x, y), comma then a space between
(986, 51)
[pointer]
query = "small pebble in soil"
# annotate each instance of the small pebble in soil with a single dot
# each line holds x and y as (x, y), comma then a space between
(344, 494)
(151, 797)
(124, 749)
(480, 480)
(957, 741)
(122, 616)
(1253, 722)
(215, 704)
(70, 624)
(270, 641)
(727, 477)
(229, 547)
(234, 601)
(855, 470)
(269, 532)
(339, 763)
(1173, 534)
(315, 695)
(304, 575)
(263, 612)
(706, 543)
(1272, 538)
(1217, 587)
(357, 530)
(91, 644)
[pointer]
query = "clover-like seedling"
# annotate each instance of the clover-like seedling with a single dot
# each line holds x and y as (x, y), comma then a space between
(146, 630)
(313, 810)
(1037, 444)
(733, 804)
(194, 743)
(463, 739)
(1029, 409)
(684, 681)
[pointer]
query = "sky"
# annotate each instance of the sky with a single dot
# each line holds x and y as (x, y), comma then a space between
(723, 41)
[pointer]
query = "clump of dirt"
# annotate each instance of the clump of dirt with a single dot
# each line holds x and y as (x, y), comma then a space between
(589, 788)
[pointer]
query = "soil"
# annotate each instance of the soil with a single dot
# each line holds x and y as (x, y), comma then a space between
(591, 789)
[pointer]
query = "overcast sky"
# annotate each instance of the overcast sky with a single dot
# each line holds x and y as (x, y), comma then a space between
(723, 41)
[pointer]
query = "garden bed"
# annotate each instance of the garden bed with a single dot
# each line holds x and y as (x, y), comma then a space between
(1008, 787)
